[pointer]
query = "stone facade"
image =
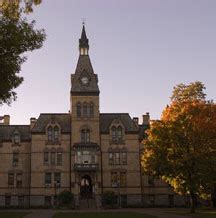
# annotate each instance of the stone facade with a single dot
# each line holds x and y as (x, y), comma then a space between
(84, 151)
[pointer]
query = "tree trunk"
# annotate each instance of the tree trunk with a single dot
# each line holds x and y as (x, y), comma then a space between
(193, 201)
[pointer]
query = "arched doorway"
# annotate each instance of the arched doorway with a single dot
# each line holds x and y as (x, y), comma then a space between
(86, 187)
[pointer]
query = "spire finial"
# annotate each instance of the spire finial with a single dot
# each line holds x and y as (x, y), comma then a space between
(83, 21)
(83, 41)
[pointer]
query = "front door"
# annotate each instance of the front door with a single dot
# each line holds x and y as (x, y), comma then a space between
(86, 187)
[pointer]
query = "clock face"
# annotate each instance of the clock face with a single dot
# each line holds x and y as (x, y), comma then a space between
(84, 80)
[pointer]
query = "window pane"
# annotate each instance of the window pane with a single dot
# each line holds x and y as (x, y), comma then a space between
(48, 178)
(59, 158)
(85, 111)
(114, 179)
(122, 179)
(119, 133)
(16, 138)
(114, 134)
(110, 157)
(124, 157)
(46, 157)
(57, 179)
(91, 111)
(49, 131)
(15, 157)
(117, 157)
(56, 133)
(11, 179)
(19, 180)
(78, 110)
(53, 158)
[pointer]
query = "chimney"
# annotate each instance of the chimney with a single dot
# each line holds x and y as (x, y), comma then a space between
(146, 119)
(136, 120)
(33, 120)
(5, 120)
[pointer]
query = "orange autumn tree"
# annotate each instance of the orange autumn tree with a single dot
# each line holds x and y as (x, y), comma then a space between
(181, 147)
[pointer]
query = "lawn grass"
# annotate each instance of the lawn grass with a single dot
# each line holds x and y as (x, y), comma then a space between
(103, 215)
(6, 214)
(200, 213)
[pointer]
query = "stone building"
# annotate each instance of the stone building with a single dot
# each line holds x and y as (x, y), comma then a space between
(84, 151)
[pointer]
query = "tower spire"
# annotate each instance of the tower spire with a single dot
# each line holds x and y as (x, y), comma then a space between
(83, 42)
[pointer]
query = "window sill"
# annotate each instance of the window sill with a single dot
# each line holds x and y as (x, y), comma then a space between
(53, 143)
(117, 142)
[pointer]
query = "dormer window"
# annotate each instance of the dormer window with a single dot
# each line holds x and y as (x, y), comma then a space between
(49, 132)
(56, 133)
(16, 138)
(85, 135)
(53, 133)
(117, 133)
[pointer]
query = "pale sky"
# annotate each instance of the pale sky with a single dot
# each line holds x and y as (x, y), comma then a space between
(140, 49)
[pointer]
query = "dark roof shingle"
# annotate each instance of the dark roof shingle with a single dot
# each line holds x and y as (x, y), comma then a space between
(44, 119)
(107, 118)
(6, 132)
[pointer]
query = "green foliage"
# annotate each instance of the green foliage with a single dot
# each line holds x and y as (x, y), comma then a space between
(180, 147)
(66, 198)
(17, 36)
(109, 198)
(191, 92)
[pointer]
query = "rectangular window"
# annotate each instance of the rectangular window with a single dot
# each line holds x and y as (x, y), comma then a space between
(11, 179)
(114, 179)
(48, 179)
(151, 199)
(93, 158)
(46, 157)
(19, 180)
(123, 179)
(57, 179)
(124, 157)
(59, 158)
(110, 158)
(53, 158)
(15, 158)
(21, 201)
(79, 157)
(7, 201)
(85, 111)
(117, 157)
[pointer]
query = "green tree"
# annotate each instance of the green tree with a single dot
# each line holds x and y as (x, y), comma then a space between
(66, 198)
(180, 148)
(17, 36)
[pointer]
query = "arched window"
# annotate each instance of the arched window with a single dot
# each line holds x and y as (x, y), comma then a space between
(79, 108)
(111, 157)
(119, 133)
(56, 133)
(91, 111)
(85, 135)
(85, 110)
(46, 156)
(113, 132)
(16, 138)
(124, 156)
(49, 132)
(59, 156)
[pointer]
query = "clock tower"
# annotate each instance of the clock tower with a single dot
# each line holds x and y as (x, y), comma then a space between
(85, 136)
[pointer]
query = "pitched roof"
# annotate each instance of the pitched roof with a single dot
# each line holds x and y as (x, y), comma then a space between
(84, 68)
(6, 132)
(83, 41)
(107, 118)
(44, 119)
